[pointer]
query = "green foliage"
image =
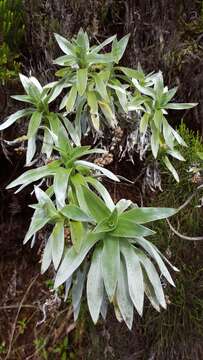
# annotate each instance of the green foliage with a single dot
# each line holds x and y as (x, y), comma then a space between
(106, 251)
(11, 31)
(98, 89)
(3, 347)
(9, 67)
(11, 22)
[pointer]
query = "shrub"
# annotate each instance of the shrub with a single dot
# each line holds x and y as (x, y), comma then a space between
(105, 248)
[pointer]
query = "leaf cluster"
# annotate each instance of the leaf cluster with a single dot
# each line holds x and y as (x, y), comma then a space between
(93, 242)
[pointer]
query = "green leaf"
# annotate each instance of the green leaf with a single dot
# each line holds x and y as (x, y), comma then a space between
(144, 90)
(99, 58)
(23, 98)
(135, 277)
(149, 291)
(143, 215)
(81, 81)
(131, 73)
(36, 84)
(108, 113)
(153, 277)
(152, 251)
(47, 256)
(96, 206)
(102, 170)
(64, 44)
(95, 285)
(176, 154)
(101, 87)
(25, 82)
(60, 184)
(167, 133)
(154, 141)
(56, 91)
(38, 221)
(34, 124)
(72, 259)
(102, 192)
(34, 175)
(48, 140)
(77, 291)
(122, 205)
(71, 99)
(80, 151)
(159, 85)
(97, 48)
(123, 297)
(108, 224)
(73, 212)
(75, 136)
(144, 123)
(92, 102)
(12, 118)
(171, 168)
(166, 97)
(119, 47)
(77, 234)
(82, 40)
(178, 138)
(129, 229)
(66, 60)
(122, 97)
(110, 263)
(180, 106)
(44, 199)
(158, 116)
(57, 241)
(31, 149)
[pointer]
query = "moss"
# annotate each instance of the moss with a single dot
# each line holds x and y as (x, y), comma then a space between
(12, 32)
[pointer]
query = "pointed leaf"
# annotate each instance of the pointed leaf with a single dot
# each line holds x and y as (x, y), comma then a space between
(81, 81)
(34, 123)
(180, 106)
(135, 277)
(57, 241)
(72, 259)
(33, 175)
(73, 212)
(71, 99)
(171, 168)
(77, 291)
(47, 256)
(64, 44)
(102, 170)
(77, 234)
(96, 206)
(143, 215)
(123, 297)
(153, 278)
(95, 285)
(102, 192)
(31, 149)
(130, 229)
(151, 249)
(38, 221)
(12, 118)
(60, 184)
(110, 263)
